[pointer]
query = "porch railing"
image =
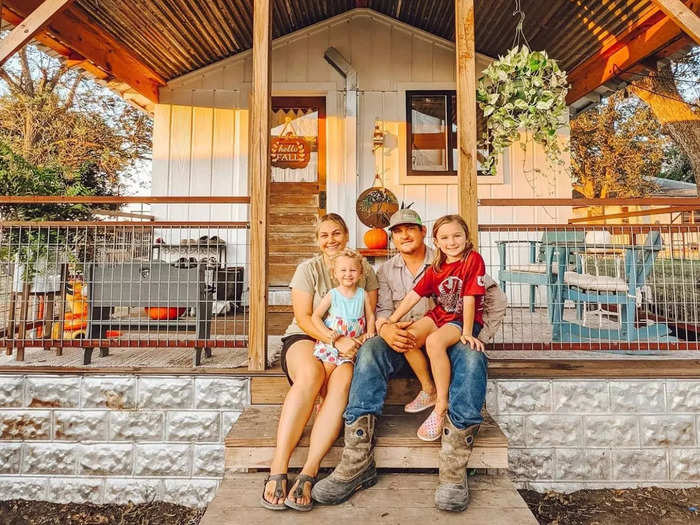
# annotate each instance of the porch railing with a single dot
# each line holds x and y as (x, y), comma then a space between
(102, 284)
(616, 287)
(128, 283)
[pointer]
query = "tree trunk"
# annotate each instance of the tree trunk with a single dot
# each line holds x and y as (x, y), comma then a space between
(678, 120)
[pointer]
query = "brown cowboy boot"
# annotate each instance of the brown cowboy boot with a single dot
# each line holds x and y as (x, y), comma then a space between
(356, 469)
(453, 491)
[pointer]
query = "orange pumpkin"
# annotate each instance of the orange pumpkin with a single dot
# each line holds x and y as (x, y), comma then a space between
(164, 314)
(376, 239)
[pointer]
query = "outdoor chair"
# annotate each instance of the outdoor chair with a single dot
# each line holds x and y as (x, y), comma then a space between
(535, 272)
(152, 284)
(623, 292)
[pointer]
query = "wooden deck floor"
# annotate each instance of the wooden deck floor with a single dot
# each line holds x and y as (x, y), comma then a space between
(395, 499)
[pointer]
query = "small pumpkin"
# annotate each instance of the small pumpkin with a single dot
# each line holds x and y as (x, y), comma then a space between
(376, 239)
(162, 314)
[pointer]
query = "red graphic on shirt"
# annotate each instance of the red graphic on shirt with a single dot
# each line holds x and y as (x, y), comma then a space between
(450, 294)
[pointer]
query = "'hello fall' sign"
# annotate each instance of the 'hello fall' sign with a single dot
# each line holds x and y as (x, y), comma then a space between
(290, 151)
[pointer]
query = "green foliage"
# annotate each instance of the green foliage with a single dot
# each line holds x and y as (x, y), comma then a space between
(30, 245)
(616, 150)
(522, 90)
(19, 177)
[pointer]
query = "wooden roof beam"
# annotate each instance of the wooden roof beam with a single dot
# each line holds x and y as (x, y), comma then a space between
(76, 30)
(621, 52)
(30, 26)
(72, 58)
(682, 16)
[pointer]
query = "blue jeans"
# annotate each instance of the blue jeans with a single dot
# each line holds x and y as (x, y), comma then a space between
(377, 362)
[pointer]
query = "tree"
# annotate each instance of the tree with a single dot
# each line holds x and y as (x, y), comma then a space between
(679, 118)
(616, 149)
(52, 115)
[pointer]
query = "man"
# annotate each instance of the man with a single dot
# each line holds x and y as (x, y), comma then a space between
(381, 358)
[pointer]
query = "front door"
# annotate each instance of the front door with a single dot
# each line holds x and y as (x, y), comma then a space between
(298, 189)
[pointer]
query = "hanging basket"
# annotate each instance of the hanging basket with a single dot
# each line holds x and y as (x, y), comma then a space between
(522, 91)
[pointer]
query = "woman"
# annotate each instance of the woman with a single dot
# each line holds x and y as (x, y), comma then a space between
(311, 282)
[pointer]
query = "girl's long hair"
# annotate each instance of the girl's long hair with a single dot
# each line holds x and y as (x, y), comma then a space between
(440, 258)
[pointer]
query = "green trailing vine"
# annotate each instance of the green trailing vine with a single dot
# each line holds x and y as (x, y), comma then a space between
(522, 91)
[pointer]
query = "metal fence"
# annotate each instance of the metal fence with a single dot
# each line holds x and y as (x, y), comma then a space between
(106, 284)
(596, 287)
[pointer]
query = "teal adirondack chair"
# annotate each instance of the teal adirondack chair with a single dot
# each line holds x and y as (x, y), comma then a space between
(535, 272)
(581, 288)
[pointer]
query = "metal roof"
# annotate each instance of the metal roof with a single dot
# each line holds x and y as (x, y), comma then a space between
(175, 37)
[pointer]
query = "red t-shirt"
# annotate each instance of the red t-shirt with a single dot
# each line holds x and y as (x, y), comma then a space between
(449, 285)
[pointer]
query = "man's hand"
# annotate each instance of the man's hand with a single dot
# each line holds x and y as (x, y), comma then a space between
(347, 346)
(473, 342)
(397, 337)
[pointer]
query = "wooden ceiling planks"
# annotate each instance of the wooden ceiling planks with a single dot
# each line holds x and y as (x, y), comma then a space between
(174, 37)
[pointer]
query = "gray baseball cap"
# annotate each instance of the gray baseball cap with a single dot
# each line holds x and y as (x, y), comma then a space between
(405, 216)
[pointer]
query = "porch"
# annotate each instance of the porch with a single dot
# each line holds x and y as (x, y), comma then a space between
(156, 397)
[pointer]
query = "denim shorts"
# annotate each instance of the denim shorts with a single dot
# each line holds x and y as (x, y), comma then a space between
(475, 330)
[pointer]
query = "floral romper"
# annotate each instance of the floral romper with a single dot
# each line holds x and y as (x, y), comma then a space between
(347, 317)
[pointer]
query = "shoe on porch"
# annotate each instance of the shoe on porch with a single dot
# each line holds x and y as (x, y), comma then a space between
(422, 401)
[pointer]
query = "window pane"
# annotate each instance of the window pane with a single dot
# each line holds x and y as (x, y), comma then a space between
(429, 133)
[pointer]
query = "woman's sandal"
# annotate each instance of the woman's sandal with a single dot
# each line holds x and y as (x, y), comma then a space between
(279, 492)
(302, 479)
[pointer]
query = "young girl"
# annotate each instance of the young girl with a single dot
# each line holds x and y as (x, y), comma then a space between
(350, 311)
(456, 280)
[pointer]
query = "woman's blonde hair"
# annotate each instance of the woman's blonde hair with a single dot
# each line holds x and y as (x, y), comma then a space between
(332, 217)
(350, 254)
(440, 257)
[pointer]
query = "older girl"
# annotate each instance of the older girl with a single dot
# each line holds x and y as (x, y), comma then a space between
(456, 280)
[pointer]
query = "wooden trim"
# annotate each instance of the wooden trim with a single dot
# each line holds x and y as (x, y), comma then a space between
(498, 369)
(467, 178)
(621, 52)
(94, 199)
(613, 228)
(30, 26)
(639, 213)
(682, 16)
(124, 224)
(75, 29)
(633, 201)
(72, 58)
(22, 342)
(259, 177)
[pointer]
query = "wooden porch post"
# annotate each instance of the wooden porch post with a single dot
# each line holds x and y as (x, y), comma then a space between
(30, 26)
(259, 177)
(466, 115)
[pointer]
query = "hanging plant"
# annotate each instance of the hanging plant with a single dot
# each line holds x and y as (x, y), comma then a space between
(523, 90)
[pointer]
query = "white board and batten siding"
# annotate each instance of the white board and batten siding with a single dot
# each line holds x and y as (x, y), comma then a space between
(200, 138)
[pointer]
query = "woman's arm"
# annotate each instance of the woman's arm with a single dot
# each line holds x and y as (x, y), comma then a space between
(405, 306)
(319, 312)
(468, 324)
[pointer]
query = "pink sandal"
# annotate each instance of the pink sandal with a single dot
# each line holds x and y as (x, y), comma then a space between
(423, 401)
(431, 429)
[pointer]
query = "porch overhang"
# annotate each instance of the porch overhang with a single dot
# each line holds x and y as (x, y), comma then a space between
(137, 47)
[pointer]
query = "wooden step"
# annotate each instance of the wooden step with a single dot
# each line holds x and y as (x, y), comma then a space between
(270, 390)
(395, 499)
(251, 442)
